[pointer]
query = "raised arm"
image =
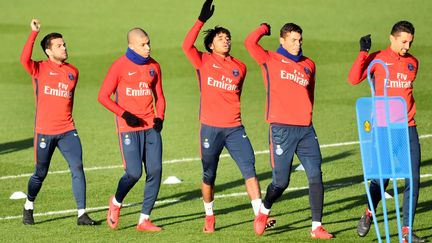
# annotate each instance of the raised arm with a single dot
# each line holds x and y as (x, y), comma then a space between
(255, 50)
(358, 71)
(188, 46)
(29, 65)
(191, 52)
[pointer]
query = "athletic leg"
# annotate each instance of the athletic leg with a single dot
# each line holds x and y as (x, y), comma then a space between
(153, 168)
(69, 145)
(132, 148)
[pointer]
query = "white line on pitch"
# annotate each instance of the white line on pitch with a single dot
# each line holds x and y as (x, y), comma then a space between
(183, 160)
(174, 200)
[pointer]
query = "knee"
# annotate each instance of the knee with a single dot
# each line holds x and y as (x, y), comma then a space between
(315, 178)
(154, 171)
(248, 171)
(40, 174)
(76, 167)
(280, 185)
(134, 176)
(209, 177)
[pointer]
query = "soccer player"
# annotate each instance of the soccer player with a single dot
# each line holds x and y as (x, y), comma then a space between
(54, 82)
(135, 79)
(289, 78)
(220, 79)
(402, 68)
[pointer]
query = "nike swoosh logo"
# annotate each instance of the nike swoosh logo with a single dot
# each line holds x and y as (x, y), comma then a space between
(75, 134)
(131, 73)
(216, 66)
(388, 64)
(244, 136)
(284, 61)
(52, 73)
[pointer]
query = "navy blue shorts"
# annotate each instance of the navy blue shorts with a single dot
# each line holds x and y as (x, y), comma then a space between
(235, 140)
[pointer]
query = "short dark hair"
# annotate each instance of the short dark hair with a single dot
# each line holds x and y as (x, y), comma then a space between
(210, 34)
(290, 27)
(46, 41)
(402, 26)
(136, 29)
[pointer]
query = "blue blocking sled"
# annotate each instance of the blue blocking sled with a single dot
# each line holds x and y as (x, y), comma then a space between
(384, 144)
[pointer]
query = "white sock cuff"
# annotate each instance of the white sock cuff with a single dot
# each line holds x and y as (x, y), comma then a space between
(256, 204)
(114, 200)
(143, 217)
(264, 210)
(315, 224)
(208, 207)
(28, 205)
(81, 212)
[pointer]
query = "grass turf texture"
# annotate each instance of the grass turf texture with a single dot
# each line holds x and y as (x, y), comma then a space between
(95, 32)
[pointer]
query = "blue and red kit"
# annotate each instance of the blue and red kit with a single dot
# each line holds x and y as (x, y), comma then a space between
(402, 73)
(220, 81)
(54, 86)
(137, 88)
(290, 84)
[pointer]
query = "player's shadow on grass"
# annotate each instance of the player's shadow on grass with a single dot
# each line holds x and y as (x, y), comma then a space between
(159, 221)
(100, 221)
(196, 194)
(15, 146)
(338, 156)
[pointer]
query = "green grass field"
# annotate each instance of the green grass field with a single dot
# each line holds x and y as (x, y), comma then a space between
(95, 32)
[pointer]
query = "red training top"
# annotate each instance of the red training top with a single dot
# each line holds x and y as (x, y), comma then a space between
(290, 85)
(402, 73)
(220, 82)
(134, 87)
(54, 86)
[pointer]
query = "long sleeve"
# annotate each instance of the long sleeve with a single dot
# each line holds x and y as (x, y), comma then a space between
(358, 71)
(29, 65)
(108, 87)
(159, 96)
(255, 50)
(188, 46)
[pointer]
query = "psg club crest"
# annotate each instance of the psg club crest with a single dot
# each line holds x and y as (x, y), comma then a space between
(152, 72)
(367, 126)
(71, 77)
(307, 71)
(236, 73)
(410, 67)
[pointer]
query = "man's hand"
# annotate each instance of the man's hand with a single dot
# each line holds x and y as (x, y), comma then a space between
(206, 11)
(131, 119)
(158, 124)
(35, 25)
(268, 28)
(365, 43)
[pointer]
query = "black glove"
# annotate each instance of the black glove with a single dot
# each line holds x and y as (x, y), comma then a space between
(269, 28)
(158, 124)
(131, 119)
(206, 11)
(365, 43)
